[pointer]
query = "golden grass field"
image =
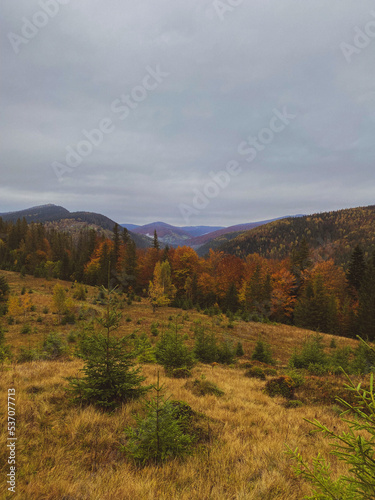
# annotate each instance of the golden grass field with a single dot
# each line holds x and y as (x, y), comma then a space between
(73, 453)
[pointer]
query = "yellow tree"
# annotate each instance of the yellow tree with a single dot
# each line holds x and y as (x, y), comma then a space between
(15, 306)
(59, 299)
(161, 290)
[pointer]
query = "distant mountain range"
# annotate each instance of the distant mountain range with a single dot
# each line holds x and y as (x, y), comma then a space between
(201, 238)
(193, 236)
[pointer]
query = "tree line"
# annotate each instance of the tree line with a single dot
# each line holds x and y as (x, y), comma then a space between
(303, 288)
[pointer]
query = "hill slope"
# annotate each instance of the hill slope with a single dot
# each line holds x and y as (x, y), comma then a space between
(330, 233)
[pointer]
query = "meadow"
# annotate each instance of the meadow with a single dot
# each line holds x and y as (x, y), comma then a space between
(65, 451)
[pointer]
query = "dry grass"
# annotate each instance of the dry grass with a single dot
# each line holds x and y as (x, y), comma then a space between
(72, 453)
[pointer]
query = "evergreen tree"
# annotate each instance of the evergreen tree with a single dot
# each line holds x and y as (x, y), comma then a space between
(356, 269)
(110, 378)
(316, 309)
(4, 289)
(160, 435)
(156, 241)
(231, 302)
(366, 310)
(172, 353)
(205, 347)
(262, 352)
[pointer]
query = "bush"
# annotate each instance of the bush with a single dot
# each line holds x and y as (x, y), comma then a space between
(154, 329)
(262, 352)
(312, 353)
(281, 386)
(256, 372)
(79, 292)
(203, 388)
(179, 372)
(27, 354)
(364, 360)
(26, 329)
(355, 448)
(226, 352)
(205, 347)
(171, 352)
(160, 435)
(293, 403)
(239, 350)
(54, 346)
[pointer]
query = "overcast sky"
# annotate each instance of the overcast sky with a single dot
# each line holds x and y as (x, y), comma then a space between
(177, 91)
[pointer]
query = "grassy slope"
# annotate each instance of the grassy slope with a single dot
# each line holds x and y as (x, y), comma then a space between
(74, 452)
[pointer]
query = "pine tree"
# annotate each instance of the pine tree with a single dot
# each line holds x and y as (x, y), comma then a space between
(156, 241)
(160, 435)
(172, 353)
(366, 311)
(356, 269)
(4, 289)
(110, 378)
(205, 347)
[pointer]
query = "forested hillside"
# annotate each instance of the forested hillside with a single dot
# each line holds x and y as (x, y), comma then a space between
(307, 287)
(330, 233)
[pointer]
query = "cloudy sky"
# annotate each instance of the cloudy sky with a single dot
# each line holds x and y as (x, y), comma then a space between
(134, 109)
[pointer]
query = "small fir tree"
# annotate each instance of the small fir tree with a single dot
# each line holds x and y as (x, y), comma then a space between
(262, 352)
(110, 378)
(160, 435)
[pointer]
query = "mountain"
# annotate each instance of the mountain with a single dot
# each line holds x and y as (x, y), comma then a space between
(214, 240)
(172, 235)
(60, 218)
(130, 227)
(329, 235)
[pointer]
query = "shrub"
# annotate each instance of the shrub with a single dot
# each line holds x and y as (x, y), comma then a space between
(256, 372)
(179, 372)
(312, 353)
(203, 388)
(262, 352)
(205, 347)
(79, 292)
(171, 352)
(26, 329)
(160, 435)
(281, 386)
(27, 354)
(364, 359)
(144, 349)
(340, 359)
(54, 346)
(293, 403)
(239, 350)
(154, 329)
(226, 352)
(317, 369)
